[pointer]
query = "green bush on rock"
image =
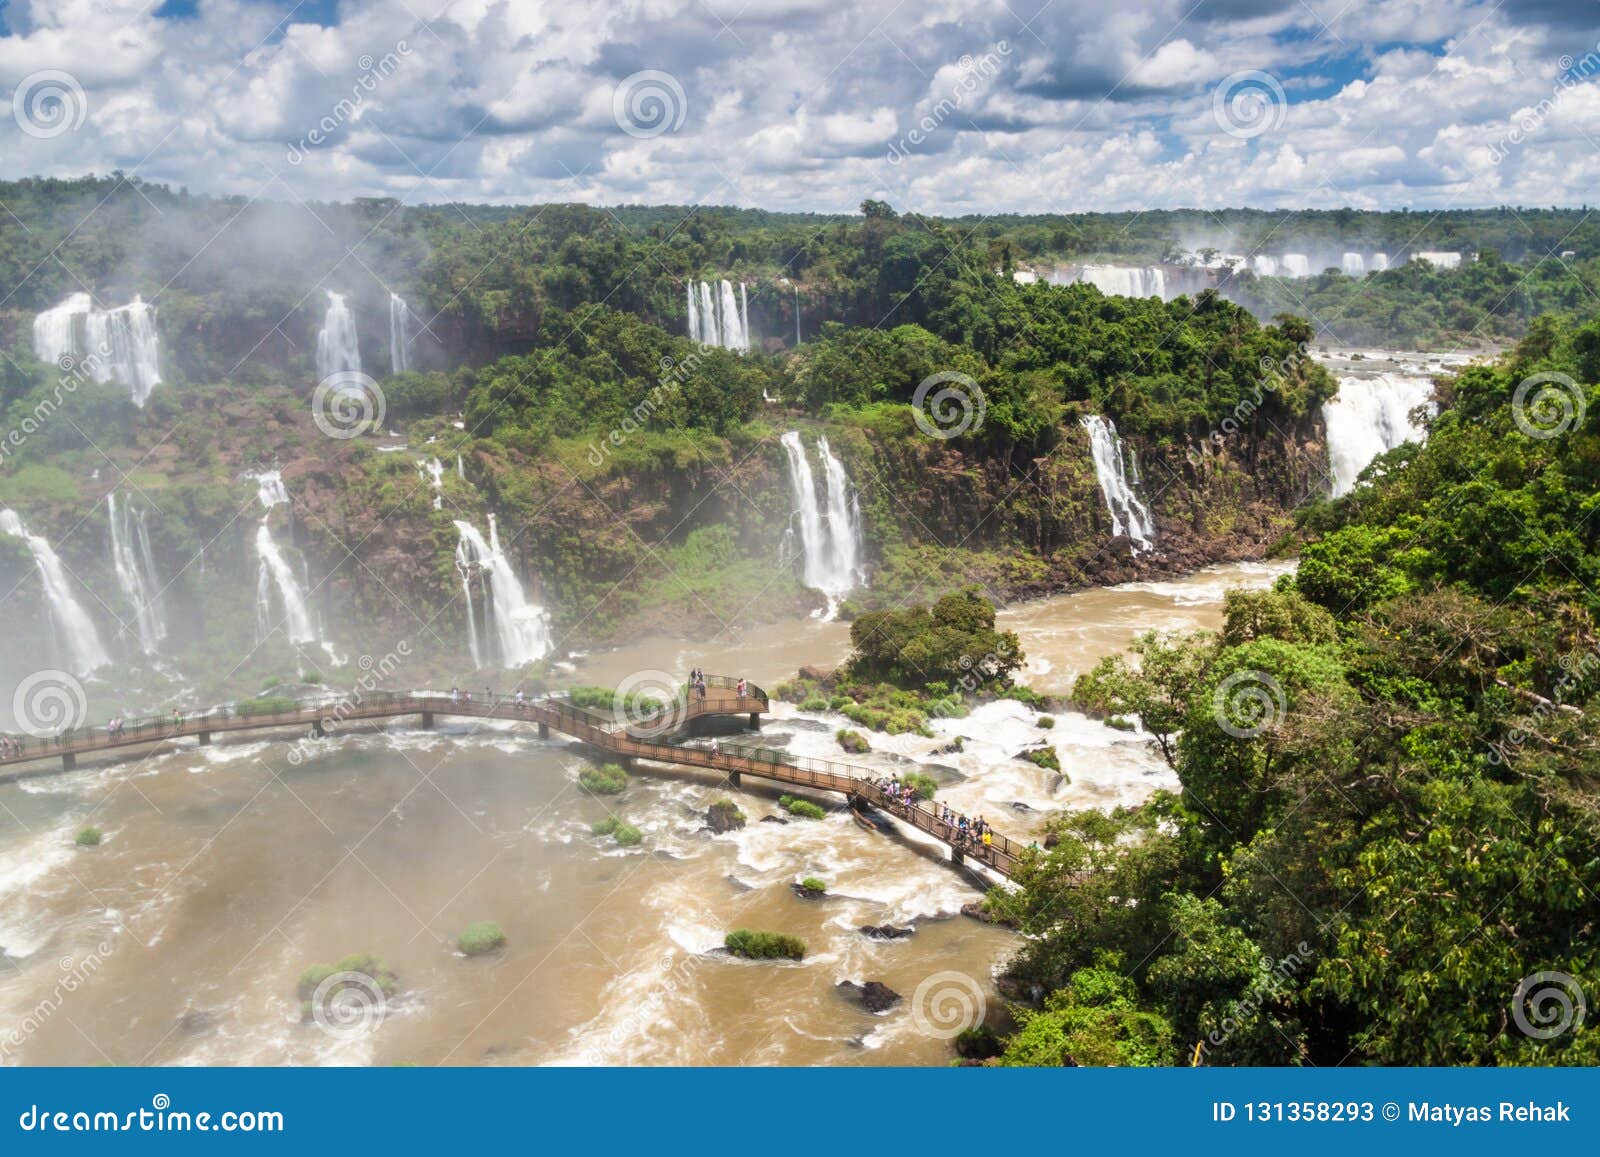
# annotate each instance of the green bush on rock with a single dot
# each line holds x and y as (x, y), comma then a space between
(480, 938)
(89, 838)
(608, 779)
(803, 808)
(765, 945)
(852, 741)
(624, 833)
(350, 971)
(1044, 757)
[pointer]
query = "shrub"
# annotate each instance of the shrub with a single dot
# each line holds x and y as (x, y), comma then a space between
(813, 885)
(89, 838)
(477, 939)
(1047, 721)
(266, 705)
(765, 945)
(1044, 757)
(926, 786)
(361, 964)
(803, 808)
(724, 816)
(814, 703)
(623, 832)
(608, 779)
(852, 741)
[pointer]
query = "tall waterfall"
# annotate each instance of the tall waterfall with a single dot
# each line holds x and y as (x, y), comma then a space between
(75, 630)
(1296, 265)
(338, 350)
(275, 573)
(117, 346)
(1264, 266)
(1128, 515)
(136, 573)
(717, 317)
(1126, 280)
(1380, 262)
(520, 629)
(830, 538)
(400, 337)
(1354, 265)
(1369, 416)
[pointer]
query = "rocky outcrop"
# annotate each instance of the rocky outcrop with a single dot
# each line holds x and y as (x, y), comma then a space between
(724, 816)
(874, 996)
(885, 932)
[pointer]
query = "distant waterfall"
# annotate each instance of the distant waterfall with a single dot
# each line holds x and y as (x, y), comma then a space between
(1370, 416)
(431, 470)
(1438, 259)
(797, 315)
(117, 346)
(275, 574)
(338, 350)
(1380, 262)
(520, 629)
(130, 557)
(717, 317)
(1126, 280)
(830, 539)
(1296, 265)
(1354, 265)
(1264, 266)
(400, 337)
(1128, 515)
(75, 630)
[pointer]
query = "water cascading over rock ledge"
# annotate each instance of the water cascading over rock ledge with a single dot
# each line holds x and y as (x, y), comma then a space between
(136, 574)
(400, 336)
(112, 345)
(1370, 416)
(82, 650)
(518, 630)
(830, 535)
(338, 347)
(716, 317)
(276, 576)
(1129, 515)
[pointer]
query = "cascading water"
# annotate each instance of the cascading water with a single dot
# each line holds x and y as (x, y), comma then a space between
(1128, 515)
(694, 313)
(1370, 416)
(1126, 281)
(1354, 265)
(1296, 265)
(520, 629)
(1380, 262)
(831, 542)
(275, 573)
(399, 335)
(1438, 259)
(75, 630)
(717, 317)
(114, 345)
(130, 557)
(338, 350)
(1264, 266)
(431, 470)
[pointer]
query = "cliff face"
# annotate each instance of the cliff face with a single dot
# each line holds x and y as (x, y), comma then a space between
(671, 540)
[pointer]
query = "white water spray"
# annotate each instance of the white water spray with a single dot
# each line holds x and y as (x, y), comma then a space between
(338, 350)
(74, 628)
(520, 629)
(400, 337)
(719, 318)
(113, 345)
(1126, 281)
(131, 558)
(1128, 515)
(1370, 416)
(831, 540)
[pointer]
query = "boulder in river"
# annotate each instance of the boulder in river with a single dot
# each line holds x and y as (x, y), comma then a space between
(874, 996)
(724, 816)
(980, 912)
(773, 820)
(885, 932)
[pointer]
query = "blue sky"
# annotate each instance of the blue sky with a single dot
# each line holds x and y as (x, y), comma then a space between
(943, 105)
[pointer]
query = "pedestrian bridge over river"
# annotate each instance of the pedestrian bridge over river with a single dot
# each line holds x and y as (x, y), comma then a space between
(633, 735)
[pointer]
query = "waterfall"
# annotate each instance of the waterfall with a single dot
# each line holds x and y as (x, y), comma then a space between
(744, 315)
(275, 571)
(717, 317)
(521, 629)
(74, 628)
(399, 335)
(797, 314)
(1354, 265)
(732, 324)
(709, 335)
(1126, 281)
(831, 544)
(117, 346)
(1380, 262)
(1439, 260)
(1369, 416)
(461, 469)
(130, 557)
(338, 350)
(694, 314)
(431, 470)
(1128, 515)
(1264, 266)
(1296, 265)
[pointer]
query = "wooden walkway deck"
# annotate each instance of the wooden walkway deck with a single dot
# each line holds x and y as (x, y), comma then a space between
(628, 736)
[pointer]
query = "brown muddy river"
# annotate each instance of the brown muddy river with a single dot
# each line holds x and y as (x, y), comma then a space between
(225, 872)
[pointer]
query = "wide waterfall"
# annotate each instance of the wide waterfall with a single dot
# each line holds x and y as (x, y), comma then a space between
(1296, 265)
(338, 350)
(75, 630)
(1438, 259)
(1354, 265)
(1128, 515)
(114, 346)
(1380, 262)
(520, 629)
(136, 573)
(400, 337)
(717, 317)
(1370, 416)
(1264, 266)
(830, 538)
(1126, 280)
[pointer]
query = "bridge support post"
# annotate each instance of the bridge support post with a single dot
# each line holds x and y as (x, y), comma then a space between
(427, 720)
(205, 739)
(957, 856)
(544, 731)
(316, 728)
(69, 761)
(755, 721)
(733, 778)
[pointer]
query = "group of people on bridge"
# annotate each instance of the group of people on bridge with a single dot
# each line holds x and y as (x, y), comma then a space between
(953, 827)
